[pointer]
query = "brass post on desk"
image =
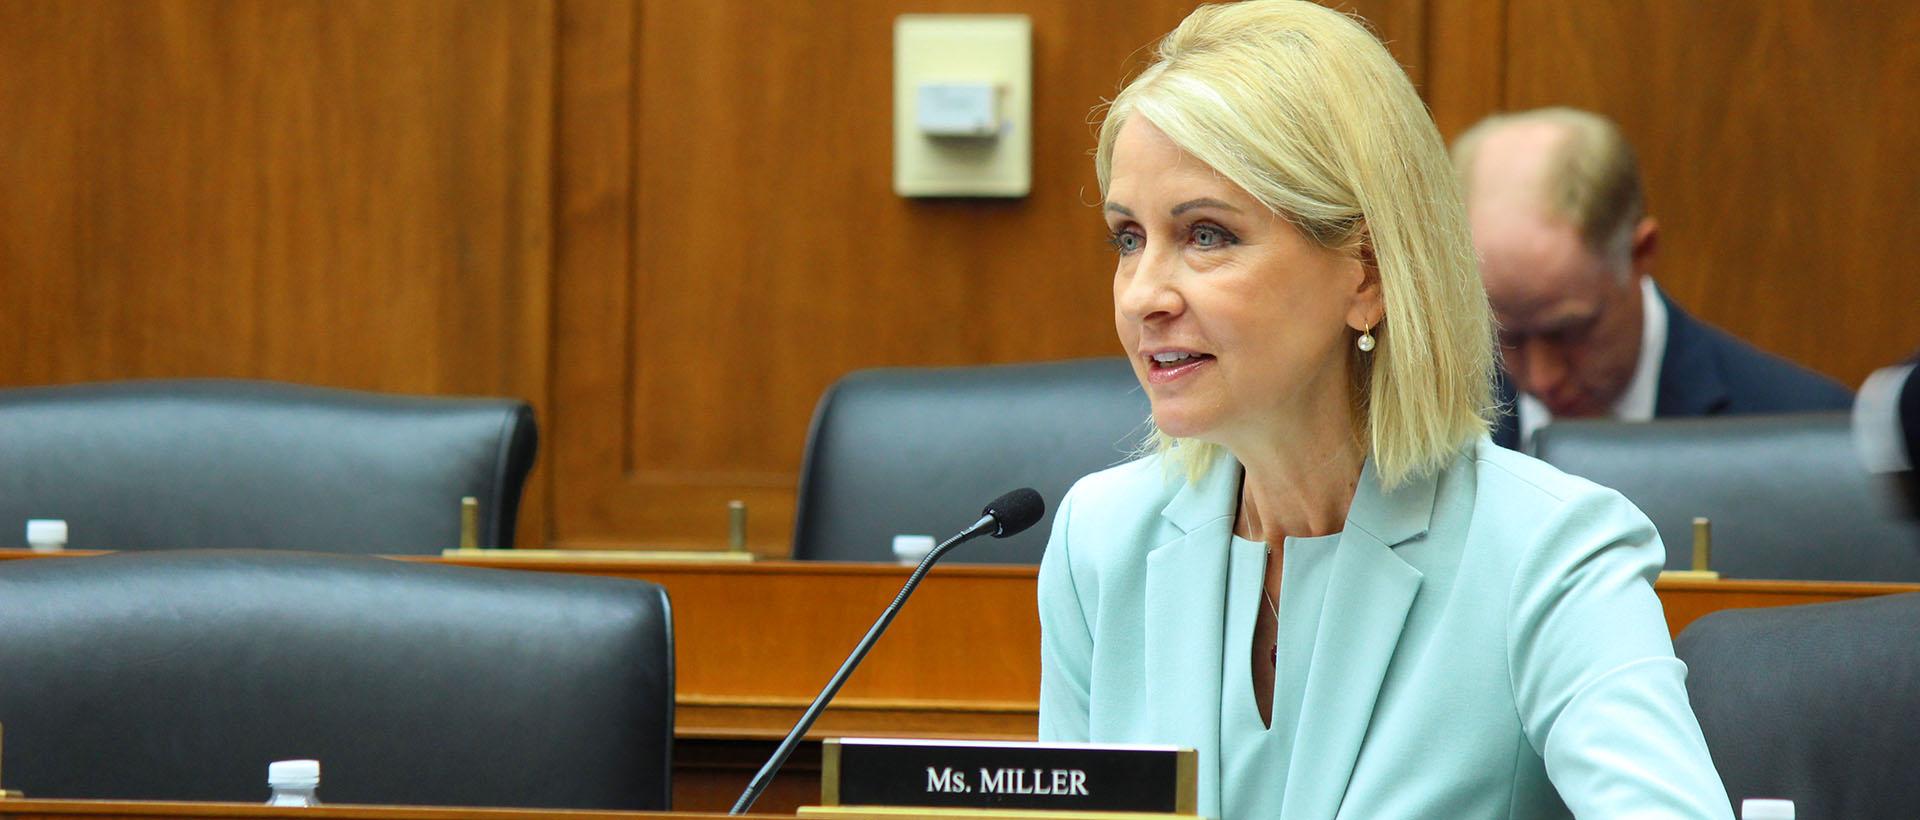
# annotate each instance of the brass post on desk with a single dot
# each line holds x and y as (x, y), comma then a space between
(1702, 554)
(1702, 544)
(469, 523)
(3, 792)
(736, 526)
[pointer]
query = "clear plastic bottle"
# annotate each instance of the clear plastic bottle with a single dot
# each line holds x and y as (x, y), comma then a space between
(46, 534)
(909, 549)
(1754, 808)
(294, 782)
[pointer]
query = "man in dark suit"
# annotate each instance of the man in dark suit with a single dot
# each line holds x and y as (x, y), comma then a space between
(1567, 252)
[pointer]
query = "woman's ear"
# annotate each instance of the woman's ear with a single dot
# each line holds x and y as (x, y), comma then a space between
(1368, 309)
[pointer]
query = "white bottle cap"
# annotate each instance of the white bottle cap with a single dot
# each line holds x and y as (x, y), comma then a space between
(1766, 809)
(46, 534)
(912, 548)
(293, 774)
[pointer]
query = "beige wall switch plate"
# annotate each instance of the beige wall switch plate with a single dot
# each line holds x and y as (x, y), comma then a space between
(962, 105)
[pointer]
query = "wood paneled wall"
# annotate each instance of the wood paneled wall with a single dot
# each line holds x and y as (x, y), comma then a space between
(671, 225)
(354, 194)
(1780, 143)
(767, 255)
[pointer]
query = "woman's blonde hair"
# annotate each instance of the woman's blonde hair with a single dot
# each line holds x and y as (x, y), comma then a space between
(1303, 108)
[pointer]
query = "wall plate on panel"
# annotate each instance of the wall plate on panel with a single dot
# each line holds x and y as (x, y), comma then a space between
(950, 59)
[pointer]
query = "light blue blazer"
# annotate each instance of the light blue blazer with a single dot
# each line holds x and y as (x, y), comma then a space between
(1490, 646)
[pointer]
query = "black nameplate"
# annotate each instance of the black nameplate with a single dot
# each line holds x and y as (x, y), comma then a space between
(963, 774)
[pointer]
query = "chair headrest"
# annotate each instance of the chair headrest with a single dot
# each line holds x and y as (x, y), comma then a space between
(180, 675)
(919, 450)
(223, 463)
(1786, 494)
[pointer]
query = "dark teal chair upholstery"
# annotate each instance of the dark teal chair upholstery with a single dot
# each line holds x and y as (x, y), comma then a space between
(919, 450)
(180, 675)
(221, 463)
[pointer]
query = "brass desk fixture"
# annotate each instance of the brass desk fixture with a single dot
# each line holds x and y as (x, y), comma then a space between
(1702, 555)
(736, 526)
(3, 792)
(469, 523)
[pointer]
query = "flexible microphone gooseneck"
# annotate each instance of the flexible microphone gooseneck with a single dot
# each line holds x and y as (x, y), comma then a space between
(1009, 514)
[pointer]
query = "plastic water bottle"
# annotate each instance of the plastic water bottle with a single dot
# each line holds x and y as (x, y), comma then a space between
(294, 782)
(909, 549)
(1766, 809)
(46, 534)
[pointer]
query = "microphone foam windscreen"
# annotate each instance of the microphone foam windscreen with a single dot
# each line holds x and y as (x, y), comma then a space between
(1016, 511)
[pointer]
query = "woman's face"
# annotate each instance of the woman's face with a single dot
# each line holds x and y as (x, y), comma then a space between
(1236, 323)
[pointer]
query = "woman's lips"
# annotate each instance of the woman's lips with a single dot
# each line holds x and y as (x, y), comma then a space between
(1169, 372)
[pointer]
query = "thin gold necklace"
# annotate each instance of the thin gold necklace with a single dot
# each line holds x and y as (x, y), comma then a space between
(1273, 654)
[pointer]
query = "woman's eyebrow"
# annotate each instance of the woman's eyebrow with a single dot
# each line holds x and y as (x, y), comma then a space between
(1120, 209)
(1203, 202)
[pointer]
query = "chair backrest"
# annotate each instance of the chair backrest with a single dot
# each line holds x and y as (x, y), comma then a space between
(1786, 494)
(1814, 703)
(221, 463)
(181, 675)
(920, 451)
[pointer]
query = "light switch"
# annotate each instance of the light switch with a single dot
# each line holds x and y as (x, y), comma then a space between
(969, 110)
(962, 105)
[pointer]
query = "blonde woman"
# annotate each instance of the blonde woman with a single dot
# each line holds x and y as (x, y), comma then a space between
(1327, 579)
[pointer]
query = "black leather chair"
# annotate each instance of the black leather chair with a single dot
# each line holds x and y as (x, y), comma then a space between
(1787, 494)
(181, 675)
(220, 463)
(1819, 704)
(920, 451)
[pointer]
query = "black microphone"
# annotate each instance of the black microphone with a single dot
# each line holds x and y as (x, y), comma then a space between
(1007, 515)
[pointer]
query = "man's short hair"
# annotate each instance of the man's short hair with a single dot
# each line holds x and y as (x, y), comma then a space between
(1592, 178)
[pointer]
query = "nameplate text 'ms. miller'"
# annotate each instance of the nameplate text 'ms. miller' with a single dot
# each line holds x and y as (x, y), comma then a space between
(983, 774)
(950, 780)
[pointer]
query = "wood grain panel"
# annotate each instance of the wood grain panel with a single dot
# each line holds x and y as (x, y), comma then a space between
(353, 194)
(1464, 77)
(1781, 147)
(767, 254)
(1400, 24)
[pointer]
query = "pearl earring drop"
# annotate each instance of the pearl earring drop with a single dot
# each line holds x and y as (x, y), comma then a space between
(1365, 342)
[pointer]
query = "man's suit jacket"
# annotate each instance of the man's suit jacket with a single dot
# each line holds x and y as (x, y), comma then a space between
(1706, 372)
(1490, 645)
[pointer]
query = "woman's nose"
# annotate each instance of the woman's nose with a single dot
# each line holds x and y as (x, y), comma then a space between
(1147, 293)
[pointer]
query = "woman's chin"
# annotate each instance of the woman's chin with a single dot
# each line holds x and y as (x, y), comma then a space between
(1181, 425)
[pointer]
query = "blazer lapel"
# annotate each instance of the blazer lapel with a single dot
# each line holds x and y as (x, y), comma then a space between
(1369, 593)
(1186, 596)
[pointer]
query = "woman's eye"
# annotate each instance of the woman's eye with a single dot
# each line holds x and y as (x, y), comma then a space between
(1125, 242)
(1209, 236)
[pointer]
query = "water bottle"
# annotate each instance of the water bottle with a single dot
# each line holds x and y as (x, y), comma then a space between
(909, 549)
(293, 782)
(46, 534)
(1766, 809)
